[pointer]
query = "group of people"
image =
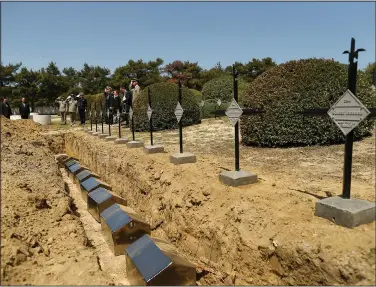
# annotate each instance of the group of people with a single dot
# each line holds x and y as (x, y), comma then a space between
(70, 106)
(114, 104)
(6, 111)
(78, 104)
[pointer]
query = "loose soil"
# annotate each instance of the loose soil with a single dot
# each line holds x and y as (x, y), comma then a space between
(43, 241)
(263, 234)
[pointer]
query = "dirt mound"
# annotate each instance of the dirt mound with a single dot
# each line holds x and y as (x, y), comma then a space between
(42, 239)
(263, 234)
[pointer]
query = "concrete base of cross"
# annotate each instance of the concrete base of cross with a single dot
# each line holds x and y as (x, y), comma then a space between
(182, 158)
(121, 141)
(110, 138)
(346, 212)
(148, 149)
(135, 144)
(237, 178)
(102, 136)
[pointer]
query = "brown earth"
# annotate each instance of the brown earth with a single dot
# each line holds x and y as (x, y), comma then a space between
(43, 241)
(261, 234)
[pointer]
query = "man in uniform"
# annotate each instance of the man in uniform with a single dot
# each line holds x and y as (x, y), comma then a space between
(63, 108)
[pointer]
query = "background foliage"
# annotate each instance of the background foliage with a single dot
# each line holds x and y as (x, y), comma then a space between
(164, 97)
(292, 87)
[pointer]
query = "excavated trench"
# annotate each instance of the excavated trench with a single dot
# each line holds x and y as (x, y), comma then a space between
(233, 239)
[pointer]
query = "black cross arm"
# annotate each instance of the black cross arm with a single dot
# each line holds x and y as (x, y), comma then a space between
(323, 112)
(246, 112)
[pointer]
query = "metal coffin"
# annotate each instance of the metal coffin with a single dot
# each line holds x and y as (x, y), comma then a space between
(70, 162)
(74, 169)
(99, 200)
(155, 262)
(89, 185)
(121, 227)
(83, 175)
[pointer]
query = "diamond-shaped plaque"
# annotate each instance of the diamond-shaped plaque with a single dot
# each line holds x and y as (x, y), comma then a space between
(149, 112)
(130, 112)
(219, 102)
(348, 112)
(202, 103)
(234, 112)
(178, 112)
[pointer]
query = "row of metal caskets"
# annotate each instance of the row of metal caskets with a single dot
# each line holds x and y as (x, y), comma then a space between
(149, 261)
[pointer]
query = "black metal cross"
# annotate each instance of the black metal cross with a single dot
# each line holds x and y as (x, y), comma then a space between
(181, 120)
(96, 120)
(109, 122)
(119, 117)
(102, 118)
(352, 74)
(91, 118)
(246, 112)
(151, 119)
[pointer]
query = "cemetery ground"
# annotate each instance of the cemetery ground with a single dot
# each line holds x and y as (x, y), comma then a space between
(261, 234)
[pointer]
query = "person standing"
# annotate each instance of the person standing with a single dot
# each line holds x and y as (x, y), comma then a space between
(106, 95)
(110, 107)
(63, 108)
(24, 110)
(72, 109)
(82, 106)
(6, 111)
(135, 90)
(117, 103)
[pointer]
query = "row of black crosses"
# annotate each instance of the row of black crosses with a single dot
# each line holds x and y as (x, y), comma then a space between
(234, 112)
(349, 139)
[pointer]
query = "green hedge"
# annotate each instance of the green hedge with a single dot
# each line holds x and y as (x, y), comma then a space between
(164, 100)
(292, 87)
(223, 88)
(197, 95)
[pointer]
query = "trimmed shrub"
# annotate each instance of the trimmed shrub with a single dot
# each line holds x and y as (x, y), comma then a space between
(295, 86)
(197, 95)
(223, 88)
(164, 98)
(210, 106)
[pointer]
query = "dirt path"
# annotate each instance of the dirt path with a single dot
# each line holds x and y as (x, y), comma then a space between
(112, 265)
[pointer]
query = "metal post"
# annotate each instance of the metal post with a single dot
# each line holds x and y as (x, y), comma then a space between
(352, 73)
(180, 122)
(102, 119)
(96, 120)
(109, 123)
(151, 119)
(119, 125)
(133, 129)
(235, 74)
(91, 118)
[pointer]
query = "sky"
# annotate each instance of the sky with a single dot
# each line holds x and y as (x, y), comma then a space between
(109, 34)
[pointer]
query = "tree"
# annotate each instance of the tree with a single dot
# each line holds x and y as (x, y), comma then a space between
(252, 69)
(27, 85)
(7, 74)
(93, 79)
(370, 72)
(188, 72)
(146, 73)
(51, 84)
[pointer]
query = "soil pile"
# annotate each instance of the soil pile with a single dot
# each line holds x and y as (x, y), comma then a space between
(42, 239)
(263, 234)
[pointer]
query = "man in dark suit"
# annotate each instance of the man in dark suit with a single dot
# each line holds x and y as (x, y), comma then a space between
(5, 110)
(82, 106)
(24, 109)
